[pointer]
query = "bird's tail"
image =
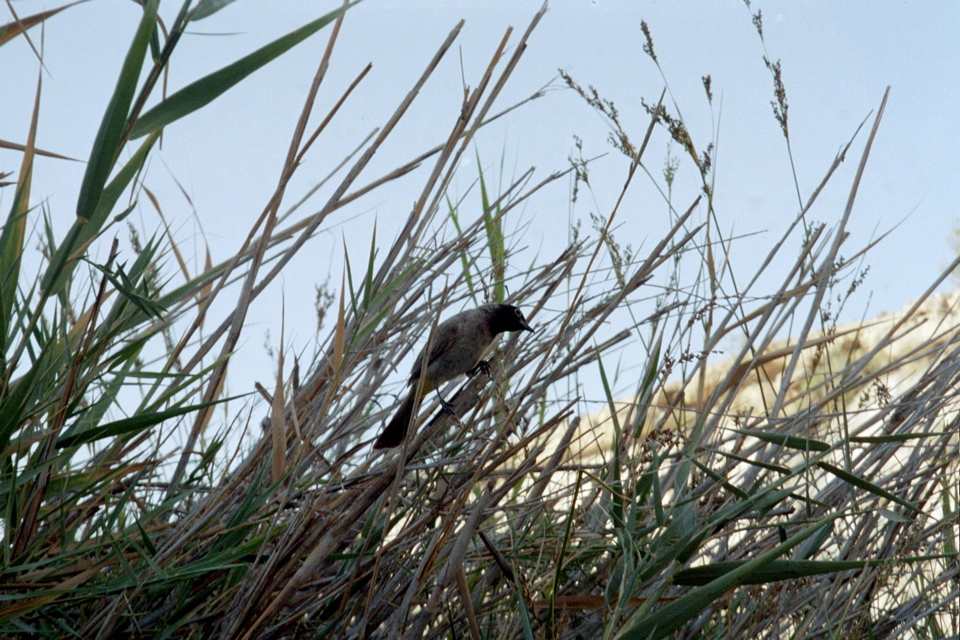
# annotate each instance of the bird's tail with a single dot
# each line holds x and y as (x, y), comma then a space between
(396, 430)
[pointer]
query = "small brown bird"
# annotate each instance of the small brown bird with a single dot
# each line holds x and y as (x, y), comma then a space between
(458, 346)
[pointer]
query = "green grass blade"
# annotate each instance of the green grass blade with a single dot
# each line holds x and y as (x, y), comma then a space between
(207, 8)
(106, 146)
(109, 140)
(368, 279)
(616, 481)
(493, 225)
(674, 615)
(207, 89)
(774, 572)
(133, 424)
(113, 191)
(792, 442)
(867, 486)
(464, 258)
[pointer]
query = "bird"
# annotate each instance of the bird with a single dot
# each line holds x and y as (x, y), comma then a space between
(457, 348)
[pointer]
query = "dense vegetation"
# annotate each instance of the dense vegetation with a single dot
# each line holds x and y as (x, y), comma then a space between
(826, 506)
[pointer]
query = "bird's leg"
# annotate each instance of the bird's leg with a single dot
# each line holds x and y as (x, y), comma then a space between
(446, 406)
(482, 367)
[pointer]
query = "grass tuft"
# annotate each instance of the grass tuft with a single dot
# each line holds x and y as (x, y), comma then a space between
(800, 487)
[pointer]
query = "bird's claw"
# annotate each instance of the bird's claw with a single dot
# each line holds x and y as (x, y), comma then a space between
(446, 407)
(482, 367)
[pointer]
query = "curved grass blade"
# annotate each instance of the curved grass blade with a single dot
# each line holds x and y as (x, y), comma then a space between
(107, 145)
(207, 89)
(207, 8)
(133, 424)
(13, 29)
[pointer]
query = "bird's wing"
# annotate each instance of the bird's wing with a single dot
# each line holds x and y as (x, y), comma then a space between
(444, 337)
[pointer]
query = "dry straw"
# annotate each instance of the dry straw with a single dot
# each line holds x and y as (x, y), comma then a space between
(795, 488)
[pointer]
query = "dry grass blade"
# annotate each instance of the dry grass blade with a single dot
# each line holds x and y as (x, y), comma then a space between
(805, 486)
(829, 261)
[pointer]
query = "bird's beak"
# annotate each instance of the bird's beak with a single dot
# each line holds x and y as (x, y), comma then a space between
(526, 327)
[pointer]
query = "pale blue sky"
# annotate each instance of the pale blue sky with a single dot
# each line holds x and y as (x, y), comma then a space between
(837, 60)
